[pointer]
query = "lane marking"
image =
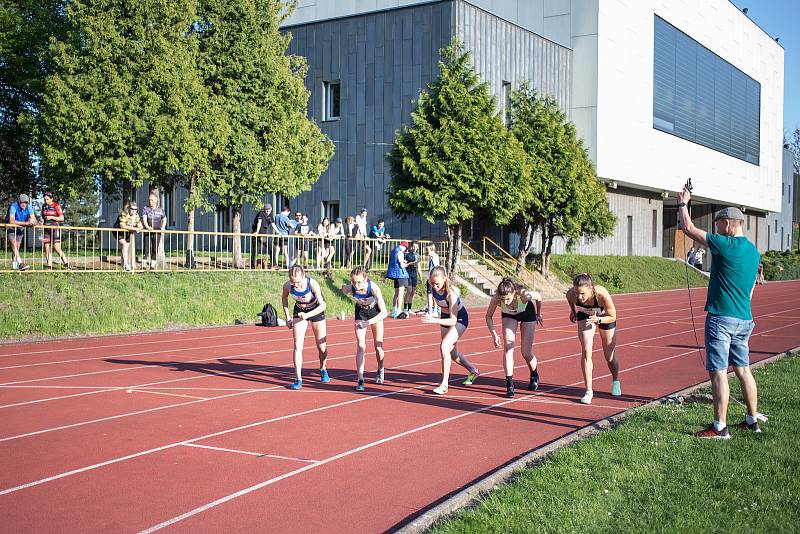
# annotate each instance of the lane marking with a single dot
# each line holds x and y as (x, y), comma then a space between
(256, 454)
(133, 390)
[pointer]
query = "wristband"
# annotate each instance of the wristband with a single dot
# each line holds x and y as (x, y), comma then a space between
(681, 204)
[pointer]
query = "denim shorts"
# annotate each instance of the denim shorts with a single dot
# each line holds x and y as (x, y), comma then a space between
(727, 341)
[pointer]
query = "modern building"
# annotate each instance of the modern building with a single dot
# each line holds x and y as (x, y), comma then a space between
(660, 91)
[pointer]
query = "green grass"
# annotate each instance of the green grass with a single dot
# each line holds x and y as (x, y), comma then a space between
(625, 274)
(650, 475)
(73, 303)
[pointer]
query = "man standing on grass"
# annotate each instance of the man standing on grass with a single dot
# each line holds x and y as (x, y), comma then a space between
(729, 322)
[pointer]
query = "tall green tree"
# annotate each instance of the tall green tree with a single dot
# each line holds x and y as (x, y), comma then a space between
(457, 160)
(567, 200)
(127, 103)
(26, 27)
(273, 146)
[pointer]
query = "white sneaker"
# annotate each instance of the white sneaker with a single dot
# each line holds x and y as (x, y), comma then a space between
(14, 264)
(587, 397)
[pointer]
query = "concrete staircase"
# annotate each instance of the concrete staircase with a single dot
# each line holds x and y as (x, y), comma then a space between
(484, 279)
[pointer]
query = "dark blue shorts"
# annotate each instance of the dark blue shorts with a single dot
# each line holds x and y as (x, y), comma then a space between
(462, 317)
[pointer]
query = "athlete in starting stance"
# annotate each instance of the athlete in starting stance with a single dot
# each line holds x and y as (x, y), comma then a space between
(370, 312)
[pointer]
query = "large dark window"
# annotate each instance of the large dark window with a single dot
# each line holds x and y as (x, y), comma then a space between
(699, 96)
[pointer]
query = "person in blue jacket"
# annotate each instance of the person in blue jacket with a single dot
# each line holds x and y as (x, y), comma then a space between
(397, 272)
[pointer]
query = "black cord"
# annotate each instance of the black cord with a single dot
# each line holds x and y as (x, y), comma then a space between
(691, 305)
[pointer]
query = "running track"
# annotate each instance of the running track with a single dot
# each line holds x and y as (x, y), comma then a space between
(195, 432)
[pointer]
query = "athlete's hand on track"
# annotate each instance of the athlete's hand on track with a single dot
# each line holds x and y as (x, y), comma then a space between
(496, 340)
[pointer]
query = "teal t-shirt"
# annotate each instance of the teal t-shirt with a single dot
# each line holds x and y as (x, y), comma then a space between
(734, 267)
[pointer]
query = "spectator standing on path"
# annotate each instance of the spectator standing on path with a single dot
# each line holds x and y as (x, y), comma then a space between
(262, 227)
(361, 226)
(691, 257)
(283, 225)
(130, 224)
(760, 275)
(433, 262)
(729, 322)
(20, 215)
(412, 266)
(397, 272)
(52, 216)
(154, 219)
(698, 258)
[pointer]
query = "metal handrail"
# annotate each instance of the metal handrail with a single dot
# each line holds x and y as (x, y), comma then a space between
(515, 260)
(112, 249)
(473, 251)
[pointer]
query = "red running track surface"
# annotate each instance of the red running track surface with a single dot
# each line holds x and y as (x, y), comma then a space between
(195, 431)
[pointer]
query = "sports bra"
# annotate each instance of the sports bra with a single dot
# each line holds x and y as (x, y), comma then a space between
(366, 300)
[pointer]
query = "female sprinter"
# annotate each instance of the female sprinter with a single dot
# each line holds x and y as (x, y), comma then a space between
(309, 307)
(453, 321)
(522, 307)
(591, 306)
(370, 312)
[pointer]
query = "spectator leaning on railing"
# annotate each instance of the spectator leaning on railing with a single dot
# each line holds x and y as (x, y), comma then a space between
(129, 224)
(52, 216)
(154, 218)
(20, 215)
(262, 225)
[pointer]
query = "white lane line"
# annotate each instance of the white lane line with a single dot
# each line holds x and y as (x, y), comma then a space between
(261, 353)
(256, 454)
(163, 393)
(566, 328)
(292, 415)
(347, 327)
(355, 450)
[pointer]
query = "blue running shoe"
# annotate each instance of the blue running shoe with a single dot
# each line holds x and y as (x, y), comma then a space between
(616, 388)
(297, 384)
(323, 376)
(360, 385)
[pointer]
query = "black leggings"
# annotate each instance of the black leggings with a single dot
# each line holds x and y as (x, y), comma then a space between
(150, 245)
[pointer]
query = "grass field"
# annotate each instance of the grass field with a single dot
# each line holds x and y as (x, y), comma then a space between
(58, 303)
(651, 475)
(625, 274)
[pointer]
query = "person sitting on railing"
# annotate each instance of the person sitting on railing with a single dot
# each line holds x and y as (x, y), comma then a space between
(52, 215)
(130, 224)
(20, 215)
(412, 266)
(153, 218)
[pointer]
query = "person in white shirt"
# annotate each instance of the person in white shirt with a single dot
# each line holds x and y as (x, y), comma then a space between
(361, 225)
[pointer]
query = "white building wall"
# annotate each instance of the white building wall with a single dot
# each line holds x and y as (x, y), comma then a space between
(631, 151)
(779, 224)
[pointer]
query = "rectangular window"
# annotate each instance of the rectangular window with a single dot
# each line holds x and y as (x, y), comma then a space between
(331, 102)
(506, 103)
(655, 228)
(280, 202)
(702, 98)
(330, 209)
(169, 206)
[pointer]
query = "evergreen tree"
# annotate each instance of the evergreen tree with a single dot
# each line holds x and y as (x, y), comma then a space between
(457, 160)
(273, 146)
(567, 200)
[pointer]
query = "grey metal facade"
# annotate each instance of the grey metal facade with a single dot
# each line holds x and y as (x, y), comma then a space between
(382, 59)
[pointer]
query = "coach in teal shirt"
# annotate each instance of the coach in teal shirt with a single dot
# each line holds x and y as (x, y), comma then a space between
(729, 322)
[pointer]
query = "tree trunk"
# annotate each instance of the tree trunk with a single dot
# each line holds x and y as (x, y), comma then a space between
(547, 249)
(128, 191)
(236, 216)
(453, 248)
(190, 261)
(525, 230)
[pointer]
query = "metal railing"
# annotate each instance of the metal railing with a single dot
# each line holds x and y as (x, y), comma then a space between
(116, 250)
(519, 270)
